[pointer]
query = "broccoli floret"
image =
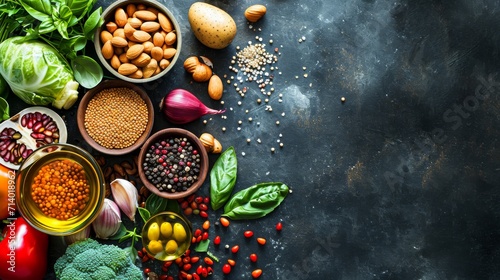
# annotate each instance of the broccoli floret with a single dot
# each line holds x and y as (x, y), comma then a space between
(89, 259)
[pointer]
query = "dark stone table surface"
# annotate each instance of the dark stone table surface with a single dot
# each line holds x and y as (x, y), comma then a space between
(399, 181)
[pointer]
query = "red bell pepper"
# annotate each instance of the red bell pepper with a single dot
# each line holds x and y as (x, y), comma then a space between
(23, 251)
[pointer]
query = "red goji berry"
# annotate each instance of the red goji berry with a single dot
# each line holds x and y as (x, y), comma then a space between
(187, 253)
(208, 261)
(189, 277)
(198, 199)
(147, 270)
(279, 226)
(184, 204)
(235, 249)
(261, 240)
(224, 222)
(195, 276)
(199, 270)
(206, 200)
(257, 273)
(163, 277)
(193, 239)
(204, 271)
(188, 211)
(217, 240)
(253, 257)
(186, 267)
(164, 269)
(204, 214)
(202, 207)
(197, 232)
(210, 270)
(248, 233)
(198, 239)
(226, 268)
(191, 198)
(140, 254)
(231, 262)
(170, 277)
(204, 236)
(206, 225)
(186, 260)
(178, 261)
(167, 264)
(195, 259)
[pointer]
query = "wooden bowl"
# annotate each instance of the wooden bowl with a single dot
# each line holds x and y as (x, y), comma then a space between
(166, 134)
(107, 84)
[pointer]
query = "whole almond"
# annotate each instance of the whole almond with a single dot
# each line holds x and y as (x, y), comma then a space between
(105, 36)
(135, 22)
(168, 53)
(164, 63)
(127, 69)
(107, 50)
(158, 39)
(119, 42)
(115, 62)
(255, 12)
(145, 15)
(123, 58)
(215, 87)
(191, 63)
(128, 30)
(148, 46)
(170, 38)
(120, 17)
(119, 32)
(131, 8)
(134, 51)
(141, 36)
(150, 69)
(165, 22)
(157, 53)
(136, 75)
(111, 26)
(142, 60)
(150, 26)
(202, 73)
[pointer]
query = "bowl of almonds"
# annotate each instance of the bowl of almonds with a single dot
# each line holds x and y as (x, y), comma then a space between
(139, 41)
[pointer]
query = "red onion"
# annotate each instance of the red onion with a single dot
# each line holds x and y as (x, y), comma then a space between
(180, 107)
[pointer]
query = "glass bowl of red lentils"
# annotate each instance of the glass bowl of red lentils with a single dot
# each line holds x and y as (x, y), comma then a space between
(60, 189)
(115, 117)
(173, 163)
(139, 41)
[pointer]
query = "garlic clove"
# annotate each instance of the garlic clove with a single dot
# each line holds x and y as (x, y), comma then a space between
(125, 195)
(108, 221)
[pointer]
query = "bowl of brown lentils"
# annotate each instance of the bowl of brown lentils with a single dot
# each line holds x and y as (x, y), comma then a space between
(173, 163)
(115, 117)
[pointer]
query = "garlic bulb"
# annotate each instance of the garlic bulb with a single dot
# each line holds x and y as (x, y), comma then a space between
(108, 221)
(126, 196)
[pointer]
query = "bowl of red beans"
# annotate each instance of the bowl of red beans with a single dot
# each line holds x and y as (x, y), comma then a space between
(173, 163)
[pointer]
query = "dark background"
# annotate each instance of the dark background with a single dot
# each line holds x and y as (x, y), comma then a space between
(398, 182)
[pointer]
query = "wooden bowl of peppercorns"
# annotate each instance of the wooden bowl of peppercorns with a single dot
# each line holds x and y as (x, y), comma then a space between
(173, 163)
(115, 117)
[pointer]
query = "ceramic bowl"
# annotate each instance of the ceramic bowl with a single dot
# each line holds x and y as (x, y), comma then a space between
(46, 212)
(99, 144)
(112, 63)
(168, 186)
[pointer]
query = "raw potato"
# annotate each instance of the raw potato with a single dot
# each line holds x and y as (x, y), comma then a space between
(212, 26)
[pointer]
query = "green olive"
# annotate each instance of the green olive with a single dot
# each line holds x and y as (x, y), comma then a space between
(171, 247)
(155, 246)
(154, 231)
(166, 229)
(179, 232)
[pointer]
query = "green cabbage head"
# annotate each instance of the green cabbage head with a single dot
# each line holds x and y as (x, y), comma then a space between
(37, 73)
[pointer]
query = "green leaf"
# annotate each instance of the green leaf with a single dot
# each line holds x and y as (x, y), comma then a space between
(156, 204)
(4, 109)
(80, 7)
(255, 201)
(92, 23)
(47, 26)
(173, 206)
(223, 178)
(145, 214)
(88, 73)
(202, 246)
(39, 9)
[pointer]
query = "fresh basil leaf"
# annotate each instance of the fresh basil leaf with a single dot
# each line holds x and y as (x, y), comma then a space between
(62, 28)
(78, 43)
(4, 110)
(223, 178)
(88, 73)
(46, 26)
(202, 246)
(156, 204)
(145, 214)
(173, 206)
(255, 201)
(131, 252)
(80, 7)
(39, 9)
(92, 23)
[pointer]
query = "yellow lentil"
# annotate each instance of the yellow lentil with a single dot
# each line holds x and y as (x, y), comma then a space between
(116, 117)
(60, 189)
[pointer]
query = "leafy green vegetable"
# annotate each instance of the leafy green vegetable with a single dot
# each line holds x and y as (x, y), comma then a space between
(255, 201)
(223, 177)
(87, 71)
(4, 110)
(37, 73)
(202, 246)
(144, 213)
(156, 204)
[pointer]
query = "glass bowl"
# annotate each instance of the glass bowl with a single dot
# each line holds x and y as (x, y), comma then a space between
(167, 236)
(60, 189)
